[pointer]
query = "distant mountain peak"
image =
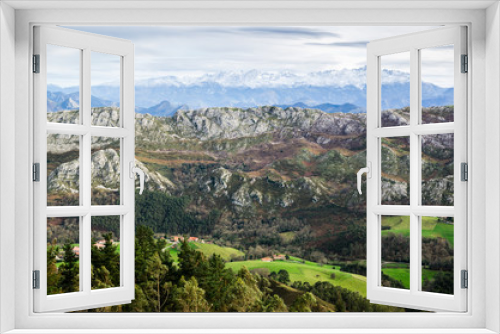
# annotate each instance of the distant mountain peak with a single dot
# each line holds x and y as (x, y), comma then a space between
(260, 79)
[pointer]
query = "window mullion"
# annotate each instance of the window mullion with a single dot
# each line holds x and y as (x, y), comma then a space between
(86, 177)
(414, 171)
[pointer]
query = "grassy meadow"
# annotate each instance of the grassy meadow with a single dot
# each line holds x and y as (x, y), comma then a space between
(431, 227)
(308, 272)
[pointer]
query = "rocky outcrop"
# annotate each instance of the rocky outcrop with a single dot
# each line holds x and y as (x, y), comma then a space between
(106, 170)
(65, 178)
(395, 117)
(230, 123)
(394, 192)
(242, 197)
(439, 191)
(105, 173)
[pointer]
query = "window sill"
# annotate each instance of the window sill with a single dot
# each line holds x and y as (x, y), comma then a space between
(252, 331)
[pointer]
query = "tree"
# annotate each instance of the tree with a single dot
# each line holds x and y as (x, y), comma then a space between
(190, 297)
(191, 262)
(217, 283)
(304, 303)
(283, 276)
(69, 270)
(273, 304)
(155, 274)
(53, 276)
(106, 265)
(246, 292)
(156, 286)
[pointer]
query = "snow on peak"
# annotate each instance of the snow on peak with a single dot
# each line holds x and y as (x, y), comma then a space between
(272, 79)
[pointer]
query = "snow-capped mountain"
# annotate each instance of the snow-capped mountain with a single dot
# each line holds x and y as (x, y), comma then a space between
(261, 79)
(259, 88)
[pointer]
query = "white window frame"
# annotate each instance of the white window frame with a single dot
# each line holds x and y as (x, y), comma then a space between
(482, 314)
(86, 44)
(412, 44)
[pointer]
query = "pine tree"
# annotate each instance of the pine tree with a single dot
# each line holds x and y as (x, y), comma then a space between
(304, 303)
(273, 304)
(111, 259)
(190, 297)
(53, 276)
(217, 284)
(155, 274)
(247, 294)
(69, 270)
(191, 262)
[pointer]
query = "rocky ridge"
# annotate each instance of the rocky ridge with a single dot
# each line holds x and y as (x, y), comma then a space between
(246, 159)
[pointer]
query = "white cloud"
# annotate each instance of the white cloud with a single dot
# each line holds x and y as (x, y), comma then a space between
(193, 51)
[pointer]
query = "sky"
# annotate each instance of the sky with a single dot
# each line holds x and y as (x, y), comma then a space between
(194, 51)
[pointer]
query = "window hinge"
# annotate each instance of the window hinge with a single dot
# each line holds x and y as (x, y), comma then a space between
(465, 279)
(36, 172)
(465, 64)
(36, 63)
(36, 279)
(464, 171)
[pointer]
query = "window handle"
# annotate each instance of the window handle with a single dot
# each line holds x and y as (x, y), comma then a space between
(368, 171)
(136, 170)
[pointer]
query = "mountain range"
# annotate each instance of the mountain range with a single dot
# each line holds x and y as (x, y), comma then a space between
(163, 96)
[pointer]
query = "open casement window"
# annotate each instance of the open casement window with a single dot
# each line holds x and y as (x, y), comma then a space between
(414, 179)
(84, 168)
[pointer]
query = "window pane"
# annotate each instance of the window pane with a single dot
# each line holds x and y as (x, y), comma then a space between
(63, 170)
(395, 231)
(63, 84)
(395, 90)
(437, 71)
(105, 171)
(63, 251)
(395, 168)
(437, 169)
(437, 254)
(105, 81)
(105, 252)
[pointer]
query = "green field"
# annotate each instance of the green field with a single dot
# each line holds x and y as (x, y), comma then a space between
(208, 249)
(403, 274)
(431, 227)
(296, 259)
(308, 272)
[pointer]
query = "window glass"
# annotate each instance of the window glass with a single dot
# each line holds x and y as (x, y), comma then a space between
(395, 251)
(437, 254)
(105, 169)
(63, 170)
(106, 83)
(105, 252)
(395, 90)
(395, 168)
(437, 82)
(63, 252)
(63, 84)
(438, 169)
